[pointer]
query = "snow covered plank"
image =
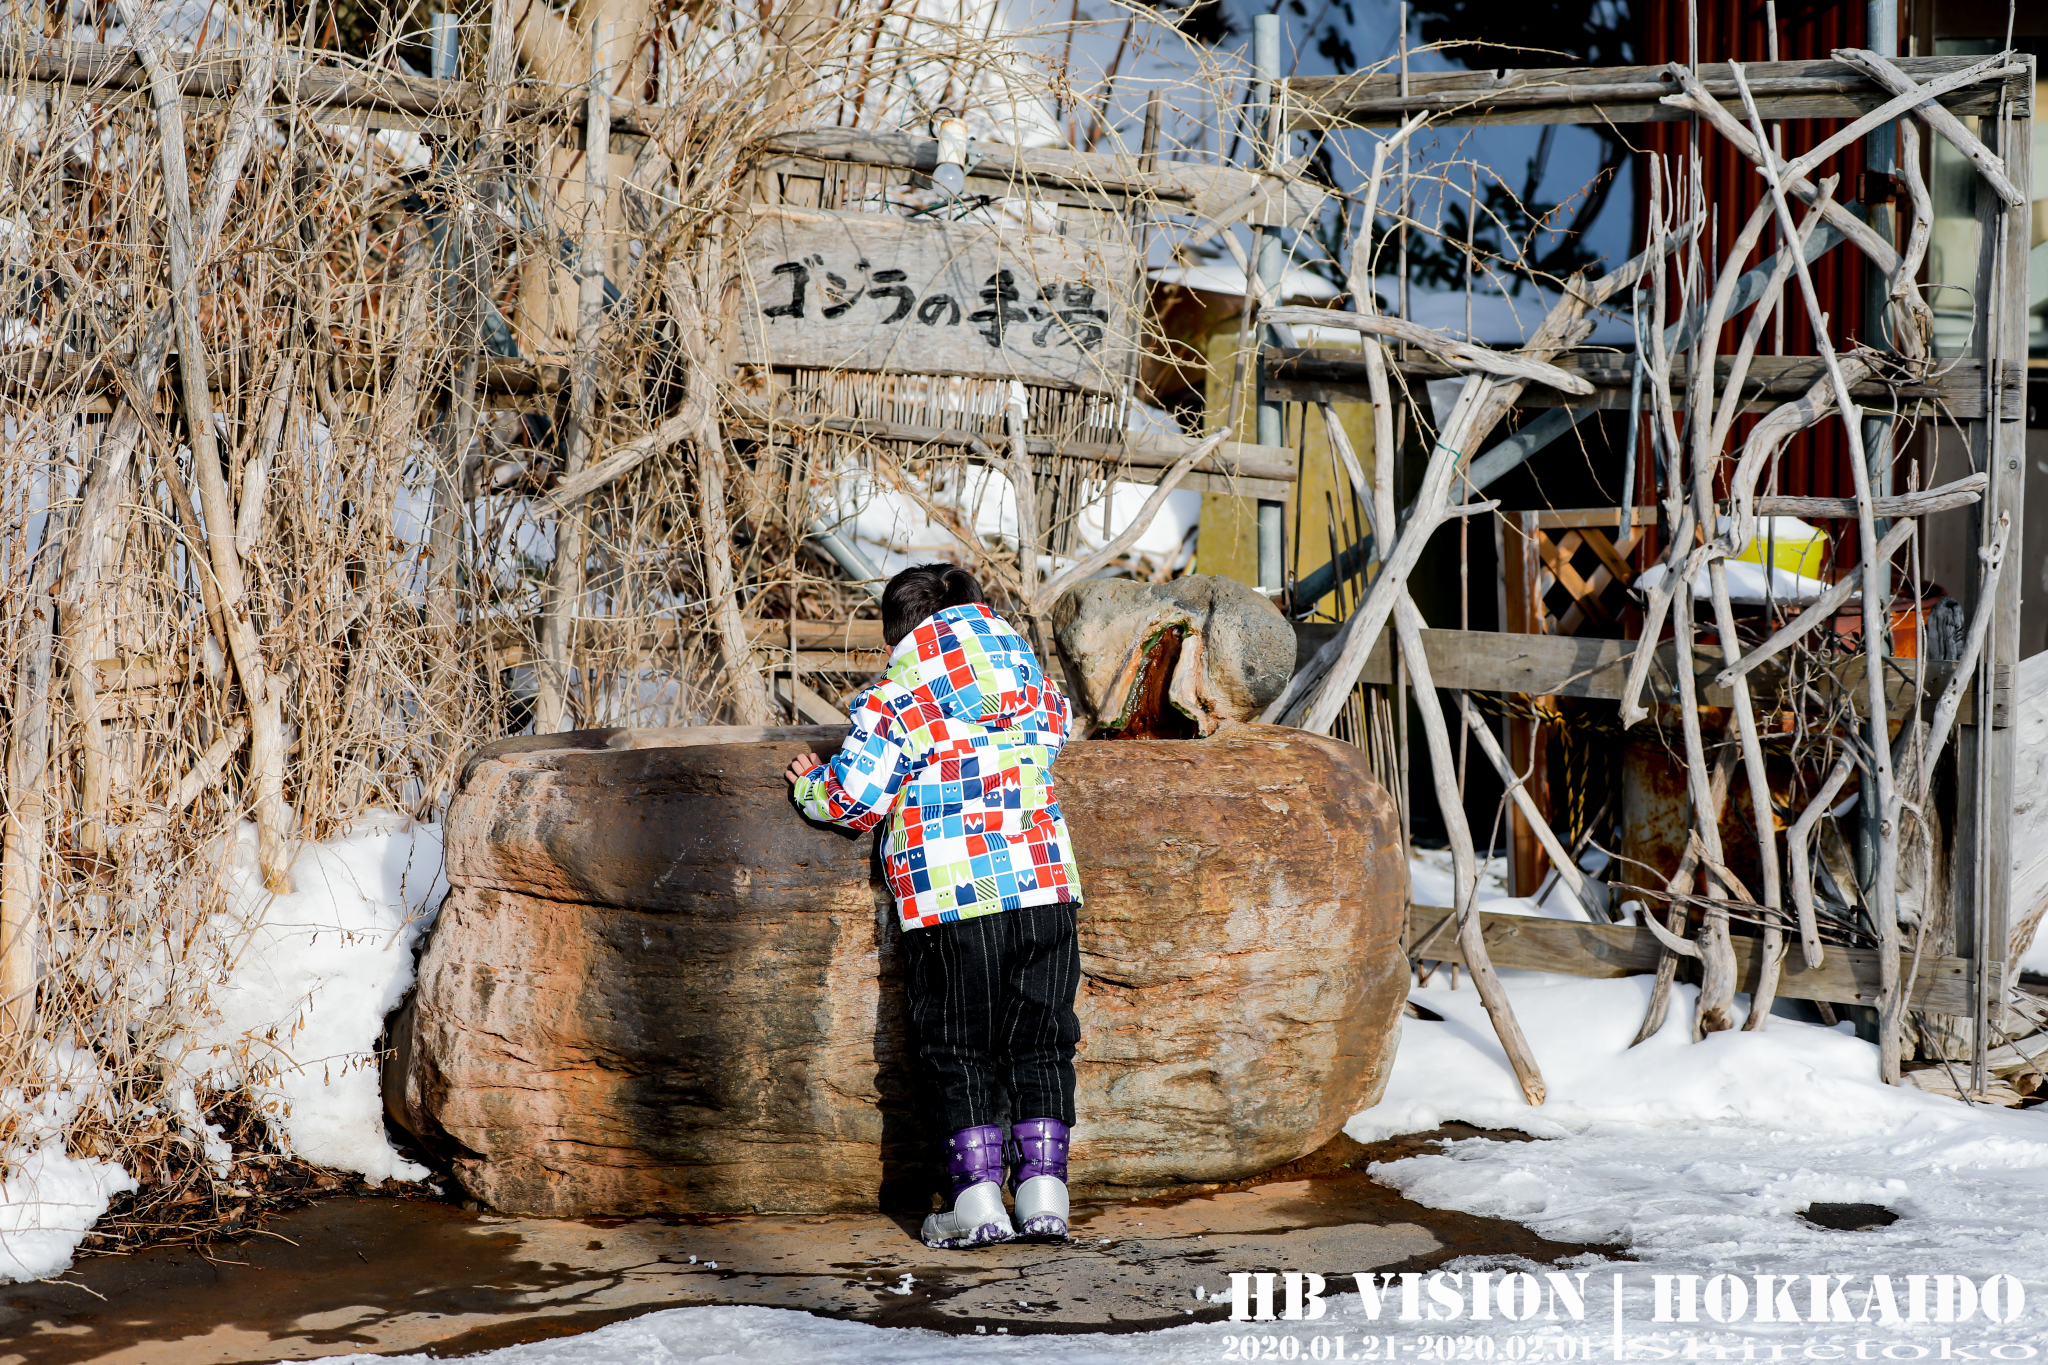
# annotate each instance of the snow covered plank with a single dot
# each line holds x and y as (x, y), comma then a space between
(1847, 976)
(1621, 94)
(875, 292)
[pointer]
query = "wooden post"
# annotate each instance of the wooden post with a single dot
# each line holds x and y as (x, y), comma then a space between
(467, 300)
(1523, 614)
(27, 815)
(1998, 446)
(186, 246)
(565, 574)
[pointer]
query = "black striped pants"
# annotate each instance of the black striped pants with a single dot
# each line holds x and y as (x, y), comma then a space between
(992, 1014)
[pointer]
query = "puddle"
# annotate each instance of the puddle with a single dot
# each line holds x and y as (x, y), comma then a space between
(1849, 1217)
(387, 1275)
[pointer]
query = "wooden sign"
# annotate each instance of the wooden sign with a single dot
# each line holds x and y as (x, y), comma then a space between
(878, 292)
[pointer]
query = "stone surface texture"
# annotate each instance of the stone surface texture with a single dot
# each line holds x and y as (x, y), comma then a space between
(1235, 655)
(656, 988)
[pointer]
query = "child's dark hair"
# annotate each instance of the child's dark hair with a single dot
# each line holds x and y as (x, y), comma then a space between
(921, 590)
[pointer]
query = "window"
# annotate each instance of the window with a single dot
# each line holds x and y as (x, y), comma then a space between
(1952, 251)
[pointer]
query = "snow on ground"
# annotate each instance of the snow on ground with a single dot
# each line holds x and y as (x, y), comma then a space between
(49, 1197)
(1430, 882)
(1694, 1159)
(780, 1336)
(317, 972)
(310, 979)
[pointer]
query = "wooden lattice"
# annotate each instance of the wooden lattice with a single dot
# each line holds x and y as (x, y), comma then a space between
(1562, 573)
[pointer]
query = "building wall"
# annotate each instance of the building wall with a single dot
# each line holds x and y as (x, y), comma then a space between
(1817, 462)
(1227, 542)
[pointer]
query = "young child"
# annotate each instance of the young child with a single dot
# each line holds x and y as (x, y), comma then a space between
(954, 747)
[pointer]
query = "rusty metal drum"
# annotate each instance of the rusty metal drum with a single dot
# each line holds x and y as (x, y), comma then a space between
(656, 988)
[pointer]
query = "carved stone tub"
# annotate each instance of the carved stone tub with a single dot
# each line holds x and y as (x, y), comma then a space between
(656, 988)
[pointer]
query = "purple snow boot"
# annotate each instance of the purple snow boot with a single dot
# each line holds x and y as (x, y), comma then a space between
(1041, 1178)
(975, 1216)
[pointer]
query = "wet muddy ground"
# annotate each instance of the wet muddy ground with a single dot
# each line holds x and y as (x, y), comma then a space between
(388, 1275)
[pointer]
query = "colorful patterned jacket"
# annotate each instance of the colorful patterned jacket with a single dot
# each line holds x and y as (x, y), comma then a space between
(958, 739)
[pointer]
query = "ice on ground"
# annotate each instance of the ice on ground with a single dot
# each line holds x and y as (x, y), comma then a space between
(317, 972)
(775, 1336)
(1697, 1157)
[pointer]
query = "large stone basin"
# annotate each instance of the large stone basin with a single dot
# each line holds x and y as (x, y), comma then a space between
(656, 988)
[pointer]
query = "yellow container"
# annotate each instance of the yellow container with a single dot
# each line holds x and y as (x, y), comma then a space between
(1791, 544)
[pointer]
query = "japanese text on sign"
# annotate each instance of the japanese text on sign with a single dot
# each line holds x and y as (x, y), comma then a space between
(878, 292)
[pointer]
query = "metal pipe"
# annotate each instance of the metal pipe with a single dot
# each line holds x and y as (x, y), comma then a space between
(1270, 263)
(847, 556)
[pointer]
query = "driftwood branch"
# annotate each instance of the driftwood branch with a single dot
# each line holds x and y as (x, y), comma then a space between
(1501, 364)
(562, 596)
(1945, 498)
(625, 459)
(1876, 629)
(1799, 846)
(1695, 99)
(1128, 537)
(185, 248)
(1988, 163)
(1560, 857)
(1824, 607)
(1471, 939)
(1911, 97)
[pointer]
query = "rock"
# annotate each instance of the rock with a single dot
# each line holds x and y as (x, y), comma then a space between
(1142, 654)
(656, 988)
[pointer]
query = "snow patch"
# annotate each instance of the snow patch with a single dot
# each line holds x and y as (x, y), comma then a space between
(732, 1335)
(1696, 1157)
(317, 972)
(50, 1197)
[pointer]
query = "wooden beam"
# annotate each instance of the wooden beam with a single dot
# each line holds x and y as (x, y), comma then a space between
(1577, 666)
(1591, 516)
(1143, 457)
(33, 373)
(806, 703)
(382, 99)
(1846, 976)
(1300, 375)
(820, 646)
(1620, 94)
(1201, 188)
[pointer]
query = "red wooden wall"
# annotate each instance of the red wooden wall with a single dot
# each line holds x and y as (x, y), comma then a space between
(1816, 464)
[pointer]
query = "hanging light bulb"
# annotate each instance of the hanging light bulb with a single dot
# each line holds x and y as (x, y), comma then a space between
(951, 173)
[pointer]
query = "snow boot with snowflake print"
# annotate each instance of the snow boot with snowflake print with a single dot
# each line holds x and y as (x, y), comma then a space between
(975, 1216)
(1041, 1178)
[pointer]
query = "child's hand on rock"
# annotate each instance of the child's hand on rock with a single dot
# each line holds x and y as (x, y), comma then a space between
(801, 767)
